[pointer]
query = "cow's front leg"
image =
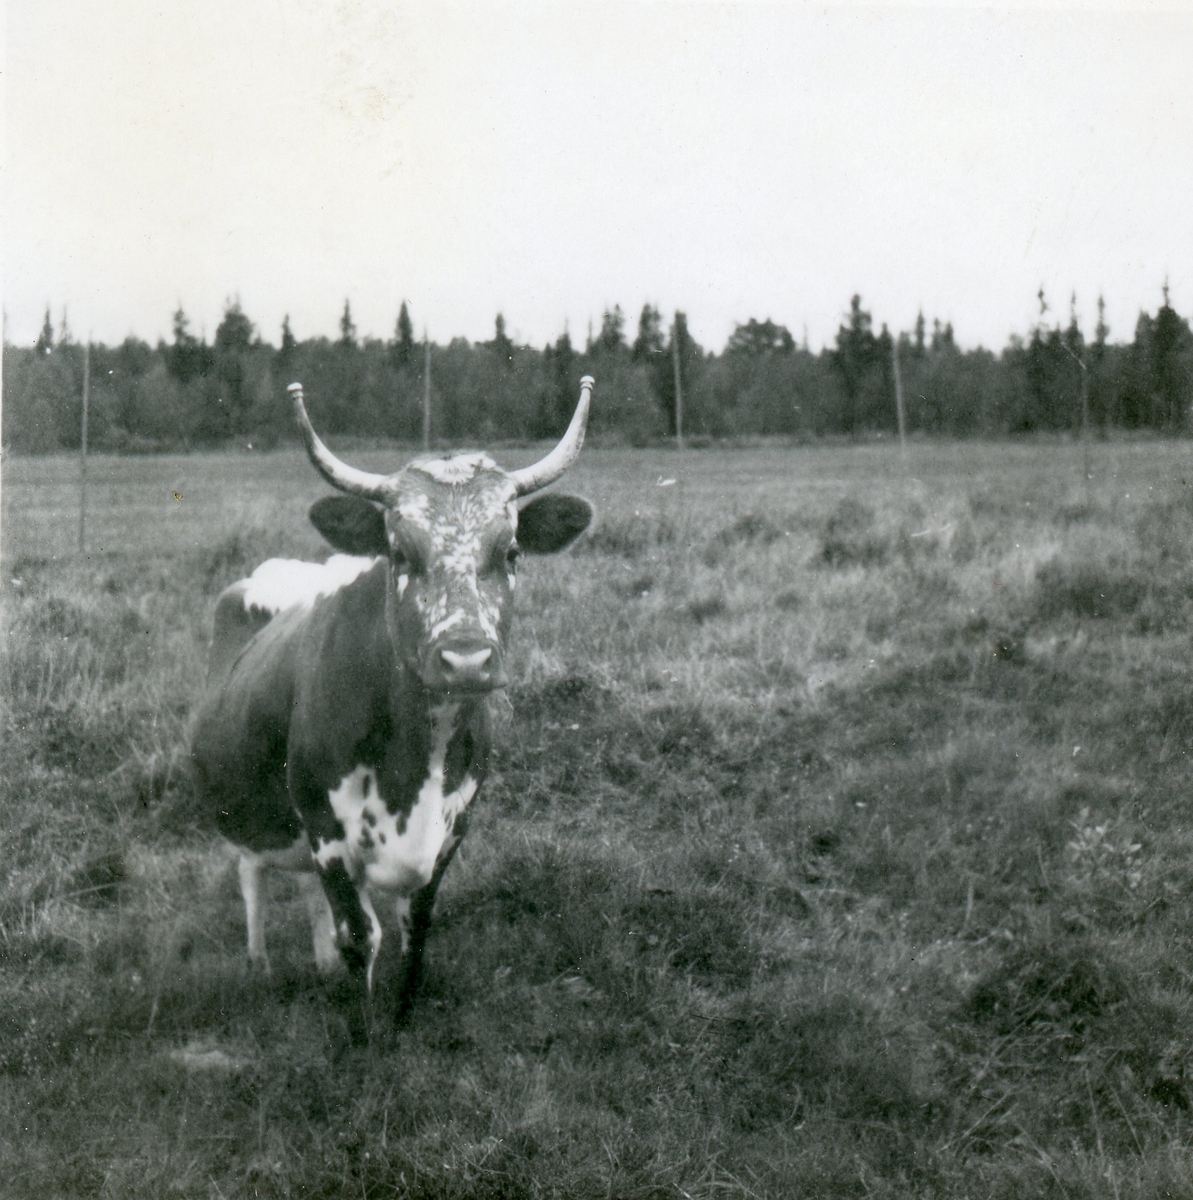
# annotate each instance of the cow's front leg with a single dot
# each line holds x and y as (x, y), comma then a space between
(358, 934)
(414, 919)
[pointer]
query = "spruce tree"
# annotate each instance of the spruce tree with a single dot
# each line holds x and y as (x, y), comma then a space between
(289, 341)
(347, 328)
(403, 338)
(45, 340)
(649, 341)
(502, 346)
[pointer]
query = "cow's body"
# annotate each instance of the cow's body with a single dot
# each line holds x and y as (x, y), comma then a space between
(346, 728)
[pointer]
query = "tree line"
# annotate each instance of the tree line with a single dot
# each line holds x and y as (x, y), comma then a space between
(188, 392)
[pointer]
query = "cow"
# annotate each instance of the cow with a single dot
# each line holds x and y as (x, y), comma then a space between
(345, 730)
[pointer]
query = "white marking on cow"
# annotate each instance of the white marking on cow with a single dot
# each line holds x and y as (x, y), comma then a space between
(381, 850)
(460, 468)
(374, 935)
(448, 622)
(281, 583)
(403, 583)
(403, 911)
(464, 558)
(413, 508)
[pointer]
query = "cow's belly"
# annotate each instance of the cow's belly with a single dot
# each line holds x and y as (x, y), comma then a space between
(385, 850)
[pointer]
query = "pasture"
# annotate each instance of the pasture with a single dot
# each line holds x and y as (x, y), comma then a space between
(837, 844)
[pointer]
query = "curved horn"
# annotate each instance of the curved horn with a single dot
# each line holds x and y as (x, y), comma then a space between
(547, 470)
(338, 474)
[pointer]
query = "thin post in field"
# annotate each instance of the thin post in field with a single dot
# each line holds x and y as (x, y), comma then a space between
(899, 409)
(678, 386)
(1085, 468)
(83, 447)
(426, 392)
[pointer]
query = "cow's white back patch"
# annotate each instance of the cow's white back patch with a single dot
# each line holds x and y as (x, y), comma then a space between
(281, 583)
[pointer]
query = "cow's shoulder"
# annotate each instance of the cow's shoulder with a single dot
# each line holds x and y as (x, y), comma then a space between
(278, 585)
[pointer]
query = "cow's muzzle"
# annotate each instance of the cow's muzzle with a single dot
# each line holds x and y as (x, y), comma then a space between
(464, 667)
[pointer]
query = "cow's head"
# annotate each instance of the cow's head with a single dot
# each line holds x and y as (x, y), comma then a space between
(451, 531)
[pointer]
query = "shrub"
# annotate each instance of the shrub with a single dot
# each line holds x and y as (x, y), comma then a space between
(1085, 589)
(849, 538)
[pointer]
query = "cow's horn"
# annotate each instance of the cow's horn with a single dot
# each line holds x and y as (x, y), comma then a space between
(547, 470)
(338, 474)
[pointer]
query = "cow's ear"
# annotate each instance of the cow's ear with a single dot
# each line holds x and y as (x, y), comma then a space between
(551, 522)
(350, 524)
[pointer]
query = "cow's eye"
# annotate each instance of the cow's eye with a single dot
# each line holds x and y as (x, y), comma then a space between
(511, 556)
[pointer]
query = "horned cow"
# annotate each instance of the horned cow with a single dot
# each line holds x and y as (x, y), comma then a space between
(345, 731)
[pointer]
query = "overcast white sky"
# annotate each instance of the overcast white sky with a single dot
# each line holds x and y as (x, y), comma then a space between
(732, 160)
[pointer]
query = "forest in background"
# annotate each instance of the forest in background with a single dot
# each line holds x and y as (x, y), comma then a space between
(191, 393)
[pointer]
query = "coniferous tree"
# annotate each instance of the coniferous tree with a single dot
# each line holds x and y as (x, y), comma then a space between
(503, 348)
(556, 399)
(187, 356)
(650, 340)
(756, 338)
(855, 360)
(611, 339)
(1169, 375)
(45, 339)
(662, 372)
(233, 338)
(347, 328)
(288, 345)
(234, 334)
(403, 338)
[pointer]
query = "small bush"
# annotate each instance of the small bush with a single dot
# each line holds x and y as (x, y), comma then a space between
(1085, 589)
(1058, 985)
(849, 538)
(751, 529)
(704, 608)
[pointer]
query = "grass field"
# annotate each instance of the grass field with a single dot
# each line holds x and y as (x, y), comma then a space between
(837, 845)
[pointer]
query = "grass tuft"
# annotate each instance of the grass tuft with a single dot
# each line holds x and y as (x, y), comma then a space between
(1086, 589)
(849, 537)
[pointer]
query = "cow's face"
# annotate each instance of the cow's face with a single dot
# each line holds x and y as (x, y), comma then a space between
(451, 530)
(452, 552)
(451, 535)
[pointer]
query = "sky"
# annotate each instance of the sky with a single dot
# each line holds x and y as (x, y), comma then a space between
(548, 161)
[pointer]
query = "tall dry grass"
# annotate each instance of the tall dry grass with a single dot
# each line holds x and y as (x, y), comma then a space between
(836, 846)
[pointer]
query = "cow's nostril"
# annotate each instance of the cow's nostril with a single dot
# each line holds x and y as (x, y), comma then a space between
(466, 662)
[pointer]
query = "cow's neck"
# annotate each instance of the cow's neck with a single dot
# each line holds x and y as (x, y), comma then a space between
(432, 733)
